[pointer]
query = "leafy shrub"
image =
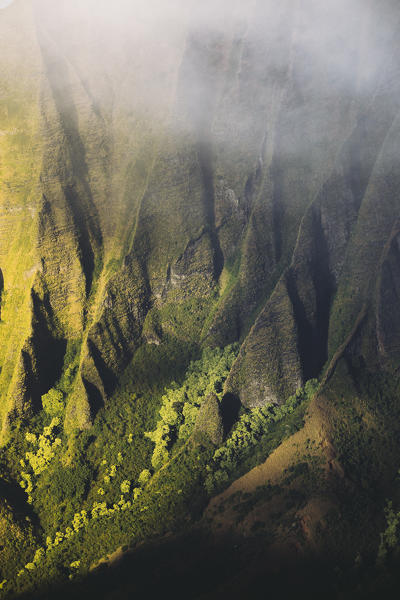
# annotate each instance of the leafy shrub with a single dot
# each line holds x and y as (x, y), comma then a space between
(180, 404)
(53, 402)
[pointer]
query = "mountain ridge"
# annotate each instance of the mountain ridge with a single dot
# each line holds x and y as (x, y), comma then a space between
(166, 195)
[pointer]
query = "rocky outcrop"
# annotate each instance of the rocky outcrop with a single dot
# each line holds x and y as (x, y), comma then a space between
(209, 423)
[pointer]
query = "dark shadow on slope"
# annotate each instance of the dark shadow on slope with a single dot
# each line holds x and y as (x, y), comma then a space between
(324, 285)
(74, 169)
(313, 321)
(304, 327)
(47, 348)
(86, 255)
(204, 154)
(95, 397)
(198, 566)
(16, 498)
(230, 407)
(107, 376)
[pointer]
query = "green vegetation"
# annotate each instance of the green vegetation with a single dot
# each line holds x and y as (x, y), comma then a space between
(53, 402)
(257, 433)
(92, 496)
(390, 537)
(138, 250)
(46, 445)
(71, 483)
(181, 404)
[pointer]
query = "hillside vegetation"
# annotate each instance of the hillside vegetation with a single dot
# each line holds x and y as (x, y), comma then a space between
(199, 298)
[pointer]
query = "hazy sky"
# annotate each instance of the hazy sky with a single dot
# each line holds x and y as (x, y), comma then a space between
(141, 53)
(328, 33)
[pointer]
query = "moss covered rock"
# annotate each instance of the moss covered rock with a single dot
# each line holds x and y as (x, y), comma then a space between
(209, 421)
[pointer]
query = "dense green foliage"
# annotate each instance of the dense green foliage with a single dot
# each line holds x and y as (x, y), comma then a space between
(71, 483)
(254, 430)
(180, 404)
(93, 492)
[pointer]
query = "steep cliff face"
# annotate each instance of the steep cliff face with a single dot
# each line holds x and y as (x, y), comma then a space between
(243, 190)
(195, 184)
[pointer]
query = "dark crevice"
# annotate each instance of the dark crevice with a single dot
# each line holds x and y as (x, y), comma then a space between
(48, 349)
(95, 397)
(107, 376)
(204, 154)
(86, 255)
(324, 285)
(313, 324)
(305, 332)
(230, 407)
(31, 389)
(74, 173)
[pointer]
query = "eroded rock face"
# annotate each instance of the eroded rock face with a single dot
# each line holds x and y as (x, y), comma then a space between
(224, 169)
